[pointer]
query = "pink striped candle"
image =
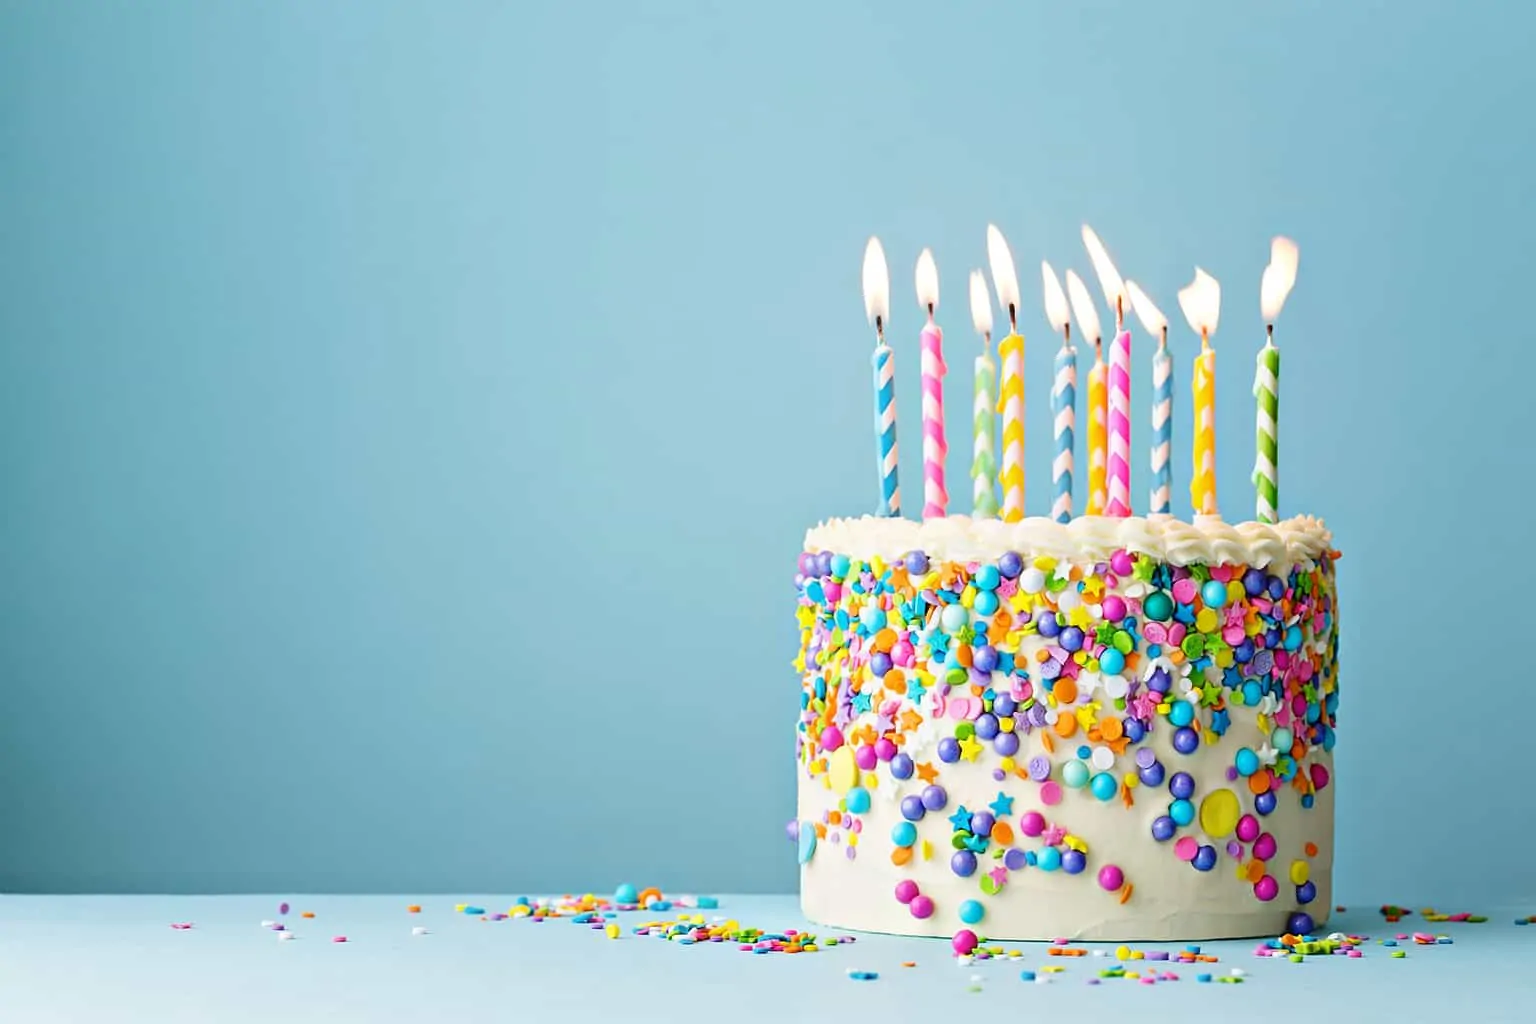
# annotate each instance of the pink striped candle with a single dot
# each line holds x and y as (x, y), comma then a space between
(935, 448)
(1119, 468)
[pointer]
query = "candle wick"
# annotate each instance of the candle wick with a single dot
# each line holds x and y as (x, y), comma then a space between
(1164, 343)
(930, 312)
(1119, 312)
(1066, 334)
(1013, 319)
(880, 328)
(1269, 331)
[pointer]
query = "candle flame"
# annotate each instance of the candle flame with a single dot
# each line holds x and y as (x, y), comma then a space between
(927, 280)
(1201, 303)
(981, 303)
(1146, 310)
(1082, 308)
(1004, 278)
(877, 283)
(1104, 267)
(1056, 310)
(1279, 277)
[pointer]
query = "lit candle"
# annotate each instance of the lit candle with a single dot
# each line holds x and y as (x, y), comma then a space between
(1118, 462)
(1063, 395)
(1201, 303)
(1011, 396)
(983, 462)
(1274, 287)
(935, 448)
(1098, 396)
(877, 291)
(1162, 399)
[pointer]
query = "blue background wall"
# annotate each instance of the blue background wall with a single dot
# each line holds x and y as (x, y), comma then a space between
(409, 414)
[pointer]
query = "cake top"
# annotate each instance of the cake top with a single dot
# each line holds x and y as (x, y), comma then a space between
(1299, 541)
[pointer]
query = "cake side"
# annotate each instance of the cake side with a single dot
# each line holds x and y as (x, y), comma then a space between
(1110, 729)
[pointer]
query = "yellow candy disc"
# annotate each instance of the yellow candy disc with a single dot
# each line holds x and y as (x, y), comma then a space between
(842, 770)
(1219, 812)
(1299, 872)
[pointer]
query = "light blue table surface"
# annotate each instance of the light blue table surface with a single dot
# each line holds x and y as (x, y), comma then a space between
(116, 958)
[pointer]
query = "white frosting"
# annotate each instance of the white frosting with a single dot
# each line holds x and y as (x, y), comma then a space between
(1208, 540)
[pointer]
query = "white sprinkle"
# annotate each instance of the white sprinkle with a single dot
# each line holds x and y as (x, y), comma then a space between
(1238, 972)
(419, 930)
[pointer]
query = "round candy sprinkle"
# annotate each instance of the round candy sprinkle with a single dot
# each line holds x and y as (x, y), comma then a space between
(1266, 888)
(1205, 858)
(1111, 878)
(934, 798)
(1182, 785)
(964, 942)
(921, 907)
(1074, 774)
(1010, 565)
(949, 750)
(1163, 828)
(912, 808)
(1073, 861)
(857, 800)
(971, 912)
(963, 863)
(1306, 892)
(1186, 740)
(903, 833)
(1214, 593)
(626, 893)
(1048, 859)
(1246, 762)
(1104, 786)
(1247, 828)
(1219, 812)
(1032, 823)
(906, 891)
(1264, 847)
(1157, 606)
(902, 767)
(1111, 662)
(1300, 923)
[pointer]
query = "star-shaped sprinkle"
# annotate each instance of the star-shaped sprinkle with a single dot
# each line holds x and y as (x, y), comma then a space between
(1002, 807)
(961, 819)
(970, 747)
(999, 875)
(861, 703)
(926, 772)
(915, 689)
(1053, 835)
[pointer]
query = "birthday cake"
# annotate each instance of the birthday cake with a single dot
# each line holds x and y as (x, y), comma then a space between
(1106, 727)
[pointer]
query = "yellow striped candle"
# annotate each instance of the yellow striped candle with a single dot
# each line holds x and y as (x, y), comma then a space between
(1201, 302)
(1098, 393)
(1011, 395)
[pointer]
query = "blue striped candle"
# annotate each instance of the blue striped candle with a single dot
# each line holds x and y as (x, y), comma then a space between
(885, 430)
(1064, 413)
(1162, 428)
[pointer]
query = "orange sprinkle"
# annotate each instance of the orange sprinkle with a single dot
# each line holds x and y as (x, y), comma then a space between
(835, 817)
(1311, 849)
(909, 963)
(963, 655)
(1254, 871)
(414, 908)
(1002, 833)
(883, 640)
(1042, 655)
(1125, 891)
(1048, 743)
(1174, 655)
(901, 855)
(308, 915)
(1066, 725)
(1111, 729)
(1258, 782)
(1125, 795)
(895, 681)
(1065, 692)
